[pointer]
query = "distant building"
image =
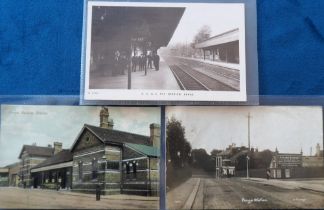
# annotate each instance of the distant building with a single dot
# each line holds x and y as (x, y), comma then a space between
(314, 161)
(223, 47)
(287, 165)
(283, 164)
(4, 177)
(225, 160)
(30, 156)
(14, 170)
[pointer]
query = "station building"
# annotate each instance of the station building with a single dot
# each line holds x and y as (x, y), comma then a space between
(118, 162)
(222, 47)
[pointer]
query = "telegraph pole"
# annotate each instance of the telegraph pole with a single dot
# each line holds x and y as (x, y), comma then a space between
(249, 134)
(249, 145)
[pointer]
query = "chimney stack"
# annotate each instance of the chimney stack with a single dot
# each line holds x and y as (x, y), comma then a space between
(105, 122)
(57, 147)
(155, 133)
(318, 150)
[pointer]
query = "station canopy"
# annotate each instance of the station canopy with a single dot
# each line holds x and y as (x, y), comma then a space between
(227, 37)
(118, 27)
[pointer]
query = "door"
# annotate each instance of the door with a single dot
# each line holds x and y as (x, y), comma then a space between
(279, 173)
(287, 173)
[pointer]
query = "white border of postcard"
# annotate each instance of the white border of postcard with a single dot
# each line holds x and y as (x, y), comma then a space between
(159, 95)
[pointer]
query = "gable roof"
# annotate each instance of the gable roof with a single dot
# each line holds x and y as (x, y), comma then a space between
(107, 136)
(64, 156)
(145, 150)
(37, 151)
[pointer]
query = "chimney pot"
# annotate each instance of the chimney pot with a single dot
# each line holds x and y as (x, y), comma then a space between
(57, 147)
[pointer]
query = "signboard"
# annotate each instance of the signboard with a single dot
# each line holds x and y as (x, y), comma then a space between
(290, 160)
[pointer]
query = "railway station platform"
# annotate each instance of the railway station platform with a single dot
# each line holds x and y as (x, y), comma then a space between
(216, 63)
(154, 80)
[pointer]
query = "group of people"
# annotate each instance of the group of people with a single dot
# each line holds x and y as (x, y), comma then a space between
(120, 63)
(144, 62)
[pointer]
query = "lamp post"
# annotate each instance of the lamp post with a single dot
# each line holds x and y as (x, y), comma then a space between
(98, 190)
(179, 156)
(104, 172)
(247, 166)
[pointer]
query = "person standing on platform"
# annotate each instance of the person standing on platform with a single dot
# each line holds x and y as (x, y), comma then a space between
(145, 63)
(150, 60)
(134, 63)
(116, 69)
(123, 63)
(141, 60)
(156, 61)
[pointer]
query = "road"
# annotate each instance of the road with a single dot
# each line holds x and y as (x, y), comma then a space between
(236, 193)
(18, 198)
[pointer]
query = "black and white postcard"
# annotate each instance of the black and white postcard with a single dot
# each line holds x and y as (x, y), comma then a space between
(164, 51)
(72, 157)
(244, 157)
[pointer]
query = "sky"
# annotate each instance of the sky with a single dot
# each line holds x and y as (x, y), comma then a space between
(220, 18)
(290, 129)
(46, 124)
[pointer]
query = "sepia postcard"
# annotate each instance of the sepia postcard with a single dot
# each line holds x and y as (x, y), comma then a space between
(164, 51)
(72, 157)
(267, 157)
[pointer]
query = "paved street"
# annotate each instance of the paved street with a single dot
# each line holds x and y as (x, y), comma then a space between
(47, 199)
(239, 193)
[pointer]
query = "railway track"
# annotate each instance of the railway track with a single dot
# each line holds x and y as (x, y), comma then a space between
(185, 80)
(191, 79)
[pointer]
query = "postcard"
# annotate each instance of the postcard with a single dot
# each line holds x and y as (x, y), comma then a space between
(164, 51)
(72, 157)
(266, 157)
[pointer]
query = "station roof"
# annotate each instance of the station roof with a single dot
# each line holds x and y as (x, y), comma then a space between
(116, 26)
(145, 150)
(226, 37)
(4, 170)
(61, 157)
(111, 135)
(37, 151)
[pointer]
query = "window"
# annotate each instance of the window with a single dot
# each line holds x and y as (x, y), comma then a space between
(134, 169)
(80, 170)
(127, 168)
(94, 168)
(113, 165)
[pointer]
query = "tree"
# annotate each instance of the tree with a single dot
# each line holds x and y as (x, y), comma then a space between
(203, 34)
(178, 148)
(201, 159)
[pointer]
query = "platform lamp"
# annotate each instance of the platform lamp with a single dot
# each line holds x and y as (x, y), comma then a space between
(247, 166)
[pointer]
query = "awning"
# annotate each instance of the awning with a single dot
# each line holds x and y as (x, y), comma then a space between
(229, 36)
(51, 167)
(117, 26)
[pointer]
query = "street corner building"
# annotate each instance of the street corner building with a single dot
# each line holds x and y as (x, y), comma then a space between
(116, 162)
(290, 165)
